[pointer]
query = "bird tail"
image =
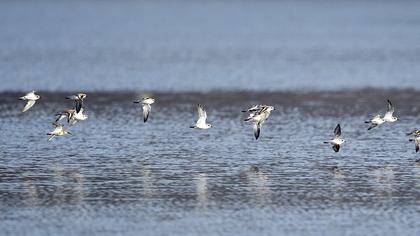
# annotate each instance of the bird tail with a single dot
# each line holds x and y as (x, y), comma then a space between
(22, 98)
(411, 140)
(192, 127)
(367, 122)
(326, 142)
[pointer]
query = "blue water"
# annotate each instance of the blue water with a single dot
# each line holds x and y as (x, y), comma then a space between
(115, 175)
(325, 62)
(204, 46)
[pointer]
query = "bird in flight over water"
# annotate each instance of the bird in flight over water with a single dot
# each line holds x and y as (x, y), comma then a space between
(202, 117)
(336, 141)
(30, 99)
(146, 106)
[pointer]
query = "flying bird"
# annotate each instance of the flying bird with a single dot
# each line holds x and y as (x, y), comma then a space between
(375, 121)
(389, 115)
(336, 141)
(78, 99)
(30, 99)
(202, 117)
(72, 116)
(58, 131)
(258, 117)
(146, 106)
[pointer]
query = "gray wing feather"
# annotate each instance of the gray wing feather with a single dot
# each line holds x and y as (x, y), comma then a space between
(146, 111)
(257, 130)
(28, 105)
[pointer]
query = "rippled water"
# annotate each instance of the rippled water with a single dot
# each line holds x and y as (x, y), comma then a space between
(116, 175)
(208, 45)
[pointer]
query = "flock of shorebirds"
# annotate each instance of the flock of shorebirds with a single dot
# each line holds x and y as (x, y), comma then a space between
(257, 115)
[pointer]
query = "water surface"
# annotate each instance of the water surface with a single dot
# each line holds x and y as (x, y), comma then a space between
(208, 45)
(116, 175)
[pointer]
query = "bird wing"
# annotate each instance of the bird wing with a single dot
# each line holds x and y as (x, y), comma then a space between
(391, 108)
(336, 148)
(337, 130)
(417, 142)
(79, 105)
(257, 129)
(202, 114)
(146, 111)
(72, 97)
(253, 108)
(28, 105)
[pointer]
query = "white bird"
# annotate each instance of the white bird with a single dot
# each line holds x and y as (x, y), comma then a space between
(72, 116)
(31, 98)
(58, 131)
(259, 117)
(416, 141)
(336, 141)
(78, 99)
(202, 117)
(375, 121)
(146, 106)
(389, 115)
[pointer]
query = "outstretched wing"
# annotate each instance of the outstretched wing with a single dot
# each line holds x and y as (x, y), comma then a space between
(417, 142)
(146, 111)
(257, 130)
(337, 130)
(252, 108)
(391, 108)
(336, 148)
(202, 115)
(79, 105)
(28, 105)
(72, 97)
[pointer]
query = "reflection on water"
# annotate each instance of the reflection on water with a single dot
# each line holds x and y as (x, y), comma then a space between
(202, 189)
(118, 175)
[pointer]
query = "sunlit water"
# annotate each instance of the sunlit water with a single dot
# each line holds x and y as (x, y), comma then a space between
(116, 175)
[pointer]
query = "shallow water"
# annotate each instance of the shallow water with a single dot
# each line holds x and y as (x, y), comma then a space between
(116, 175)
(208, 45)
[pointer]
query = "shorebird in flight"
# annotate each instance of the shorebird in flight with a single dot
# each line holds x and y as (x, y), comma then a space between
(30, 99)
(58, 131)
(72, 116)
(389, 115)
(375, 121)
(78, 99)
(258, 117)
(336, 141)
(146, 106)
(202, 117)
